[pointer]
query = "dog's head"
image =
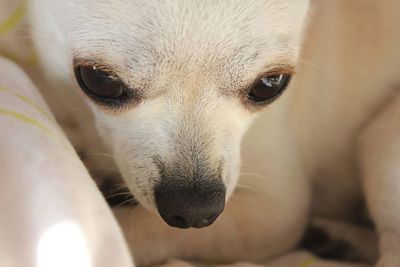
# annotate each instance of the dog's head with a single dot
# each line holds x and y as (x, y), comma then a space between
(174, 86)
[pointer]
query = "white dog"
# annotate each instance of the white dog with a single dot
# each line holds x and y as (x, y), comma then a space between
(174, 85)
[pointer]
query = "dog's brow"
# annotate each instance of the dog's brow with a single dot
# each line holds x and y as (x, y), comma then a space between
(277, 67)
(93, 62)
(282, 66)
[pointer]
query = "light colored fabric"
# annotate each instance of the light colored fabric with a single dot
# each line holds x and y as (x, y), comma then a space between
(51, 211)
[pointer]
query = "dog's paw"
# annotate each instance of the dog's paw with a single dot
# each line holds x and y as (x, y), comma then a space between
(320, 243)
(340, 241)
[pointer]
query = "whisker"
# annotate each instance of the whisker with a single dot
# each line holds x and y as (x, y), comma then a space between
(129, 201)
(240, 186)
(117, 187)
(118, 194)
(98, 169)
(316, 67)
(97, 154)
(254, 175)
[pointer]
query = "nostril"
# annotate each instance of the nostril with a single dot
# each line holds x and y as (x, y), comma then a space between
(207, 221)
(179, 220)
(212, 217)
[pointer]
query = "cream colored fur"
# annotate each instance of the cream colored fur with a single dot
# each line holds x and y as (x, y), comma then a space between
(335, 127)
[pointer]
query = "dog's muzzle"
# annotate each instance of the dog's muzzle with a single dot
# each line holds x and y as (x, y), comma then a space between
(192, 205)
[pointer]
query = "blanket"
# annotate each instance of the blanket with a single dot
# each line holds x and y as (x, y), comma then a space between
(52, 212)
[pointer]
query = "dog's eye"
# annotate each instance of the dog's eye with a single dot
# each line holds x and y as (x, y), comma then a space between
(268, 88)
(99, 84)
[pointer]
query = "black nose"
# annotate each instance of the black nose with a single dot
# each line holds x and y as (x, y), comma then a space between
(190, 206)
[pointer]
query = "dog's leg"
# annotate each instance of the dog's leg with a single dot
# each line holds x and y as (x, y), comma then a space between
(338, 240)
(252, 228)
(380, 163)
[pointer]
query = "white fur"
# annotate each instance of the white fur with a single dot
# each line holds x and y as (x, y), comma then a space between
(174, 52)
(185, 56)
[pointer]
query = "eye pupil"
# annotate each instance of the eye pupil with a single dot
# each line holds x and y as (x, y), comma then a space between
(268, 88)
(97, 83)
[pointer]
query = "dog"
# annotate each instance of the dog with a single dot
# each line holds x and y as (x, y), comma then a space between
(174, 87)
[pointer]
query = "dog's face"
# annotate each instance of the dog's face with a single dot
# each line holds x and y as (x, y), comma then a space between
(174, 86)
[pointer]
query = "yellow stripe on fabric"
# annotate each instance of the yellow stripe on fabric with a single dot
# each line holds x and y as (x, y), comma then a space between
(30, 121)
(32, 58)
(29, 102)
(308, 262)
(24, 119)
(13, 19)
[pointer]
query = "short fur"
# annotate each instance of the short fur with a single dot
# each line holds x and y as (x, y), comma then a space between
(190, 60)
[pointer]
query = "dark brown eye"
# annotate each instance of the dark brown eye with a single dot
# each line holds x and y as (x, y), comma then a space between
(98, 84)
(268, 88)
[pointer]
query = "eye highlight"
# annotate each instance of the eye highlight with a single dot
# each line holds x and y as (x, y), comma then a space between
(100, 85)
(268, 88)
